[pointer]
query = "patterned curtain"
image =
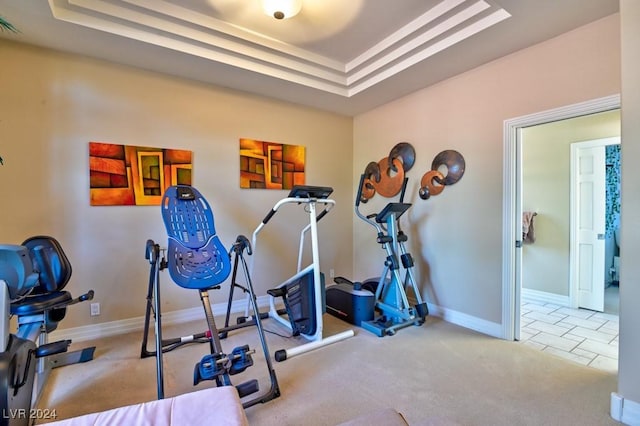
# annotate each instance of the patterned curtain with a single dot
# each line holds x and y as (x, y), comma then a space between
(613, 188)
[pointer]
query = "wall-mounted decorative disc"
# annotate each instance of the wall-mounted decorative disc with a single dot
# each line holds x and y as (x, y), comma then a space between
(455, 166)
(428, 186)
(406, 153)
(390, 186)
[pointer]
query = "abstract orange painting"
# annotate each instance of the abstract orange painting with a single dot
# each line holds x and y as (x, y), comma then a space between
(271, 165)
(123, 175)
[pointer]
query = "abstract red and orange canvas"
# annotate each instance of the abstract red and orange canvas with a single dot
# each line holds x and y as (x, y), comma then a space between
(271, 165)
(124, 175)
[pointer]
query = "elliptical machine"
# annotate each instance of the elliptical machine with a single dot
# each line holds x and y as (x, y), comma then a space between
(391, 308)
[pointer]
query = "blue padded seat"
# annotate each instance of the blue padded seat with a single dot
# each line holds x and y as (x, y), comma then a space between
(39, 303)
(54, 270)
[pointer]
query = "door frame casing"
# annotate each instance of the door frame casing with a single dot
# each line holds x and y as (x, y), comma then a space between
(512, 222)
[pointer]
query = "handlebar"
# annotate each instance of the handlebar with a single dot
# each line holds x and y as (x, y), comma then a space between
(369, 218)
(242, 243)
(404, 188)
(328, 205)
(268, 217)
(152, 251)
(359, 193)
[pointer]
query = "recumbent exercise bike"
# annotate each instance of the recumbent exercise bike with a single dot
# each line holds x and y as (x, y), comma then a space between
(33, 277)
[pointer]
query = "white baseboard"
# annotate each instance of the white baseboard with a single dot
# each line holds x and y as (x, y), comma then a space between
(544, 297)
(624, 410)
(113, 328)
(467, 321)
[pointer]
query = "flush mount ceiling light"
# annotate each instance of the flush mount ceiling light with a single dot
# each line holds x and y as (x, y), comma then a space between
(281, 9)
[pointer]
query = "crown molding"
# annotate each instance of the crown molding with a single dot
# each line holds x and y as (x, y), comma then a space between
(177, 28)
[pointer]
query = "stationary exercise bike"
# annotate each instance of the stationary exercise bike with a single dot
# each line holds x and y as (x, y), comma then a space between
(32, 277)
(388, 298)
(197, 260)
(303, 293)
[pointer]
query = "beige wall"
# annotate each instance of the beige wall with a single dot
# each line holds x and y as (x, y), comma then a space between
(457, 235)
(53, 104)
(546, 185)
(629, 352)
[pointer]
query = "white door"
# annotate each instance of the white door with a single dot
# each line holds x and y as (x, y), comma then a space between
(588, 223)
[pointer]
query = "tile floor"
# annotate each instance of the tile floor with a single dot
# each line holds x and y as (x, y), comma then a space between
(580, 335)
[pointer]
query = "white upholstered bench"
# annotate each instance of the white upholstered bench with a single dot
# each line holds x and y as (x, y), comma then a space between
(218, 406)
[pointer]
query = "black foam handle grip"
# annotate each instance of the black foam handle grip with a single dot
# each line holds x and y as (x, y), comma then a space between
(268, 216)
(87, 296)
(322, 214)
(359, 193)
(404, 188)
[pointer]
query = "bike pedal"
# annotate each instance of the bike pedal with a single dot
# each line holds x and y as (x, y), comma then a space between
(52, 348)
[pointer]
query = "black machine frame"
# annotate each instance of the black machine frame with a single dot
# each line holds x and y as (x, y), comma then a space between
(217, 365)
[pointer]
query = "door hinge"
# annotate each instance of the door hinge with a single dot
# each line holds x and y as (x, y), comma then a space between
(519, 244)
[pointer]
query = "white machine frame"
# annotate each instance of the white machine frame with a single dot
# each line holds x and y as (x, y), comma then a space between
(316, 340)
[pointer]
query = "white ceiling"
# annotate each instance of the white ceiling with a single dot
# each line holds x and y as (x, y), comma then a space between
(345, 56)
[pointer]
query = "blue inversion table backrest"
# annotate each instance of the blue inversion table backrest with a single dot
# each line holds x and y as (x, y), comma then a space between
(196, 257)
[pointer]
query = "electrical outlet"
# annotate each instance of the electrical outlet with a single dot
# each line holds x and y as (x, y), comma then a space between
(332, 273)
(95, 309)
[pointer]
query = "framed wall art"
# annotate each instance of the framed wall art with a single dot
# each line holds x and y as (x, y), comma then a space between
(271, 165)
(124, 175)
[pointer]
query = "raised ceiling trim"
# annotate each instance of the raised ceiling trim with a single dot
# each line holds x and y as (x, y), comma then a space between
(454, 38)
(418, 41)
(404, 32)
(173, 27)
(196, 18)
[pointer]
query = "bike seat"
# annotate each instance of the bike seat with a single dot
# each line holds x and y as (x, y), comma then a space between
(40, 303)
(54, 272)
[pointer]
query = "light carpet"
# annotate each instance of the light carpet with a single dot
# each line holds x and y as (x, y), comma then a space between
(436, 374)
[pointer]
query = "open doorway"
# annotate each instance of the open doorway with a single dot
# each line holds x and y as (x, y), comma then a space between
(512, 202)
(547, 276)
(564, 188)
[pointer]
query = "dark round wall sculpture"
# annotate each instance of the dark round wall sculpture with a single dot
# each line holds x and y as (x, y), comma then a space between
(386, 176)
(405, 152)
(455, 165)
(433, 182)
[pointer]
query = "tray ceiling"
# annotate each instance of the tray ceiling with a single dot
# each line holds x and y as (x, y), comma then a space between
(342, 56)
